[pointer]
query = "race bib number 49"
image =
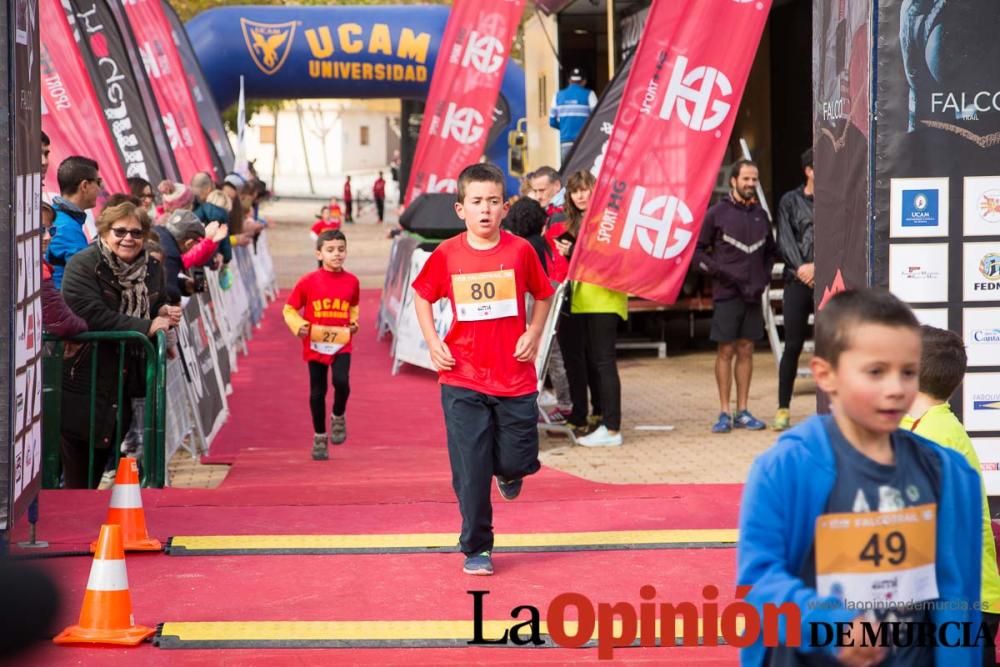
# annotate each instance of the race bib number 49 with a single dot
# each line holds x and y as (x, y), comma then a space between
(886, 557)
(328, 340)
(485, 296)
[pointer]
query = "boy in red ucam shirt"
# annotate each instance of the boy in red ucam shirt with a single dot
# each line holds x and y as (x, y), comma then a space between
(486, 360)
(329, 297)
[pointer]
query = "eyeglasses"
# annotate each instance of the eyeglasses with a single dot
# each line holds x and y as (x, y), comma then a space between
(147, 195)
(98, 180)
(122, 232)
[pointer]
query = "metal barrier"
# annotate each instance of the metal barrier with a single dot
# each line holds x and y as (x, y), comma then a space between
(154, 468)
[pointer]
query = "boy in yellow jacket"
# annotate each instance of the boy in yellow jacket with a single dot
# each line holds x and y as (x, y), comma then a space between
(942, 368)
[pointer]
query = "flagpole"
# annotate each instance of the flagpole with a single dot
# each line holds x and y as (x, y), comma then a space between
(611, 39)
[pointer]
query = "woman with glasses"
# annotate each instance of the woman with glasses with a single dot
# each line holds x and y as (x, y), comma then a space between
(115, 286)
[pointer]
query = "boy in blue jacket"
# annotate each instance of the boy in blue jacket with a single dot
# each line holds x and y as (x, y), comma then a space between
(858, 522)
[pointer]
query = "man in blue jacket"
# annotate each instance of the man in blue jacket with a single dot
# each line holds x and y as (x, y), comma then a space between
(79, 184)
(857, 522)
(570, 110)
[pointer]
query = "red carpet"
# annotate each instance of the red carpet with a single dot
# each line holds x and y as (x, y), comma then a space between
(391, 476)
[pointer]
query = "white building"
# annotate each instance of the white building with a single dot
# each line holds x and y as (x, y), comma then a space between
(305, 148)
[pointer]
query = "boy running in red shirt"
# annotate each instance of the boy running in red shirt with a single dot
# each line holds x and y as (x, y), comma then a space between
(486, 361)
(330, 300)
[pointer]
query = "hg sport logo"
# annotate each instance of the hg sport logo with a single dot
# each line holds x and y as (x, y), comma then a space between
(268, 43)
(662, 224)
(691, 94)
(920, 208)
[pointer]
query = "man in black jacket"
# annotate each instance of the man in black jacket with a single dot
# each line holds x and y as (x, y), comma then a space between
(795, 243)
(737, 249)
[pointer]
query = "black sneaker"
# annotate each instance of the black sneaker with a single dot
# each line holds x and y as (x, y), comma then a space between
(479, 564)
(509, 490)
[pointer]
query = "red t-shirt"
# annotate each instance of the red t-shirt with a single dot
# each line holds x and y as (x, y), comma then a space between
(559, 266)
(378, 190)
(323, 225)
(484, 348)
(326, 298)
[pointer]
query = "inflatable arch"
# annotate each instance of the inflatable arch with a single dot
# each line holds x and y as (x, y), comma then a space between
(322, 52)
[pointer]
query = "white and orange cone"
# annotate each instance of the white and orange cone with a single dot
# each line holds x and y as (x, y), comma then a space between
(126, 509)
(106, 614)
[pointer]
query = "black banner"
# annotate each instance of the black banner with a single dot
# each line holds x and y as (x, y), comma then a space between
(117, 86)
(20, 267)
(211, 315)
(936, 212)
(208, 111)
(196, 344)
(588, 150)
(841, 56)
(154, 120)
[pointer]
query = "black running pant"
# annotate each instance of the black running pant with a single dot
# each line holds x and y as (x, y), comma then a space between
(487, 436)
(380, 207)
(317, 389)
(798, 306)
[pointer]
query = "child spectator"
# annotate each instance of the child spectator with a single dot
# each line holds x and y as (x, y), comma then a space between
(57, 318)
(486, 361)
(526, 218)
(847, 512)
(942, 369)
(325, 222)
(330, 299)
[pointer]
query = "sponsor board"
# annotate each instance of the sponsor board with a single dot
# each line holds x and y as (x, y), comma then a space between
(981, 331)
(919, 273)
(981, 402)
(981, 206)
(988, 451)
(919, 207)
(981, 271)
(932, 317)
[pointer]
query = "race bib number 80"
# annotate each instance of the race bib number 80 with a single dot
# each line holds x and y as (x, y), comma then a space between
(884, 557)
(485, 296)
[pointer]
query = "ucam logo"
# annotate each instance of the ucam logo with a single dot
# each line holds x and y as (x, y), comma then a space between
(464, 125)
(663, 225)
(268, 43)
(920, 208)
(484, 52)
(691, 95)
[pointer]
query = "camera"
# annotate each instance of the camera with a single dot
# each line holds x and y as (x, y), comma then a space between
(199, 284)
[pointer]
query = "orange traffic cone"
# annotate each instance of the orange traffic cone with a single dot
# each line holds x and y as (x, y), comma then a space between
(106, 614)
(126, 509)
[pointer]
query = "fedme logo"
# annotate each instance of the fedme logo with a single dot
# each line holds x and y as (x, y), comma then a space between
(920, 208)
(989, 268)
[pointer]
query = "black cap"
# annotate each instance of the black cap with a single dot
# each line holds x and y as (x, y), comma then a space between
(575, 74)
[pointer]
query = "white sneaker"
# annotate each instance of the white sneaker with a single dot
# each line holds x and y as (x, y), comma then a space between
(601, 438)
(547, 399)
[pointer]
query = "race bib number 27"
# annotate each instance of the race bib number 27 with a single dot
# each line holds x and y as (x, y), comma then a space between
(888, 557)
(328, 340)
(485, 296)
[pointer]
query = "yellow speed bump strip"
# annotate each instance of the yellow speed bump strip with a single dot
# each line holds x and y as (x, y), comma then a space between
(360, 634)
(235, 545)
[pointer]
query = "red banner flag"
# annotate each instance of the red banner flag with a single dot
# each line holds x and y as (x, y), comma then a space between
(669, 137)
(152, 32)
(467, 77)
(71, 115)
